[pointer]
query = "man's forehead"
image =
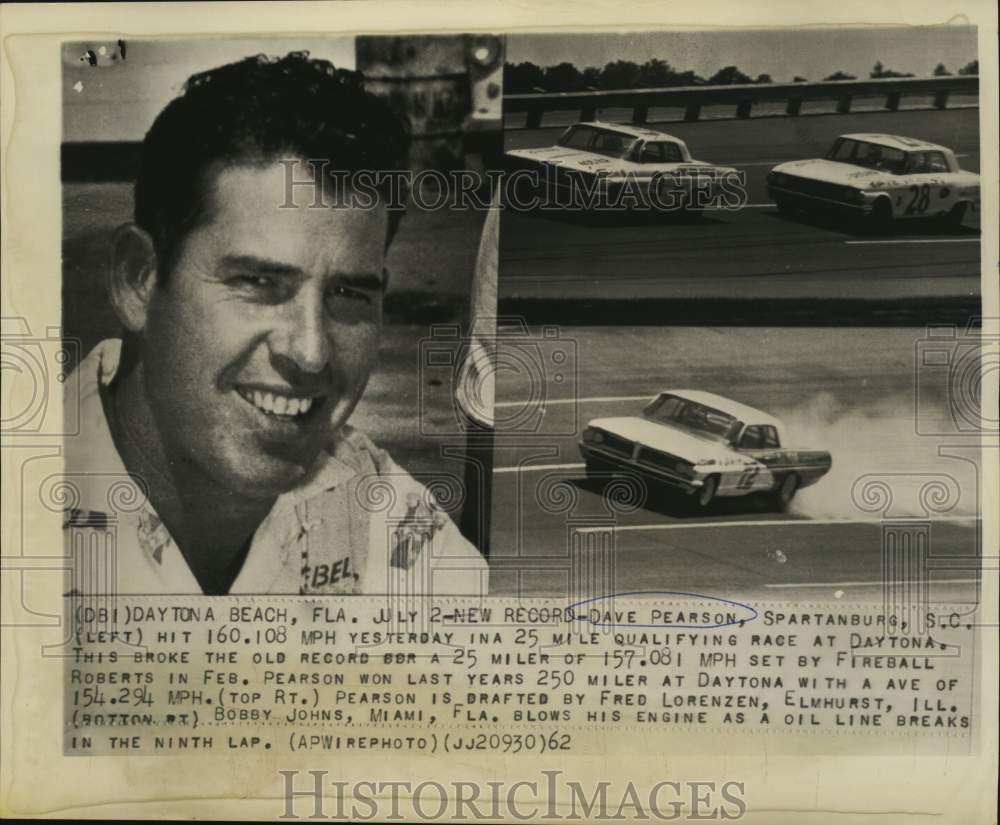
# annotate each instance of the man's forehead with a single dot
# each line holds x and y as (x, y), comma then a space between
(244, 218)
(269, 185)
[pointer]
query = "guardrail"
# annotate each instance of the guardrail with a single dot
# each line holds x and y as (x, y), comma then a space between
(743, 97)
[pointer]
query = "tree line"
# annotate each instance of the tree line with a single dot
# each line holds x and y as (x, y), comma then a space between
(526, 77)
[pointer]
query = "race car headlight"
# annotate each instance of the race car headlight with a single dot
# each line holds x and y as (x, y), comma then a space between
(777, 178)
(854, 195)
(593, 436)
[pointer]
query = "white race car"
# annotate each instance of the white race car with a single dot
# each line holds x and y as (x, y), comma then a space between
(706, 446)
(878, 178)
(595, 160)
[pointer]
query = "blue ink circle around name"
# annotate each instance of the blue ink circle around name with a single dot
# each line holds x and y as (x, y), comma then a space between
(751, 613)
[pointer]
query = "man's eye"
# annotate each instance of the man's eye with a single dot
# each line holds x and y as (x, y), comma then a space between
(263, 288)
(257, 281)
(343, 291)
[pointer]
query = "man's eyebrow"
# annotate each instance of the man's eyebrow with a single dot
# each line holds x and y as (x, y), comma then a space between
(263, 266)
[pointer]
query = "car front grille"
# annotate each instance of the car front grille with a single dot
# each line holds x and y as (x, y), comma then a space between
(614, 444)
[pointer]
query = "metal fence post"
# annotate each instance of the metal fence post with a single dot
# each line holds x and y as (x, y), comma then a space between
(794, 106)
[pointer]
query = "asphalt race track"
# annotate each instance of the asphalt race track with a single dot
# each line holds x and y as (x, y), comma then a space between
(851, 391)
(751, 253)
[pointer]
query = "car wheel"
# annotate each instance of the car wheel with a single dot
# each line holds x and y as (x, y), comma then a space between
(706, 495)
(954, 218)
(880, 218)
(786, 491)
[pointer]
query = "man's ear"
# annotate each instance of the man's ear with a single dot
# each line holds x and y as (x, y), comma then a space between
(132, 278)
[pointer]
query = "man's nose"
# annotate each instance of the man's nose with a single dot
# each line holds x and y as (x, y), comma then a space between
(302, 341)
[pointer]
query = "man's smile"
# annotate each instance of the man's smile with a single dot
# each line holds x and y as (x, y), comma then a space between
(279, 405)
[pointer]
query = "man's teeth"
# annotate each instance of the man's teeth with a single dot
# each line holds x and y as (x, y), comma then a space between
(274, 404)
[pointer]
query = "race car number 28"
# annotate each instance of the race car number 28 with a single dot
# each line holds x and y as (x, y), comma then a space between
(920, 200)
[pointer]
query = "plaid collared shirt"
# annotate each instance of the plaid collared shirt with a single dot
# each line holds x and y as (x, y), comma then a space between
(357, 524)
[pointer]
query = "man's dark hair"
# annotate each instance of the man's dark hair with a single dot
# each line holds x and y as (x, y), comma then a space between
(254, 110)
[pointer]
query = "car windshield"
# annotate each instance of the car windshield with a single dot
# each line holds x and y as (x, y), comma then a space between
(693, 417)
(869, 155)
(600, 141)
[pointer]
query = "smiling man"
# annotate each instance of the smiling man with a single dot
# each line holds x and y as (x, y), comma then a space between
(251, 326)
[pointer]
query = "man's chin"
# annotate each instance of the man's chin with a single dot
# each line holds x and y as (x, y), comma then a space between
(266, 479)
(255, 467)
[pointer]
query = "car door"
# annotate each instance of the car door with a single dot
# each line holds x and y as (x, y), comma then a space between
(760, 442)
(926, 189)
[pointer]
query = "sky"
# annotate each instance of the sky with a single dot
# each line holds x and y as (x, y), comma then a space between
(809, 53)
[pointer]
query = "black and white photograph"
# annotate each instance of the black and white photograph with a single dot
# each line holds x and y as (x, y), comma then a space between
(251, 345)
(499, 412)
(760, 251)
(856, 161)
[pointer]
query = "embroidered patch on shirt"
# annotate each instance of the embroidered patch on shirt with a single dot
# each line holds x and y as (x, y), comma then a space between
(415, 533)
(153, 535)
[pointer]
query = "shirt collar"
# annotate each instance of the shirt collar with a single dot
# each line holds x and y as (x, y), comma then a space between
(91, 455)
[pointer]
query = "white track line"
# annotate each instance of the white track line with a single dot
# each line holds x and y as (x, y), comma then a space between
(918, 240)
(528, 468)
(863, 584)
(812, 522)
(594, 400)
